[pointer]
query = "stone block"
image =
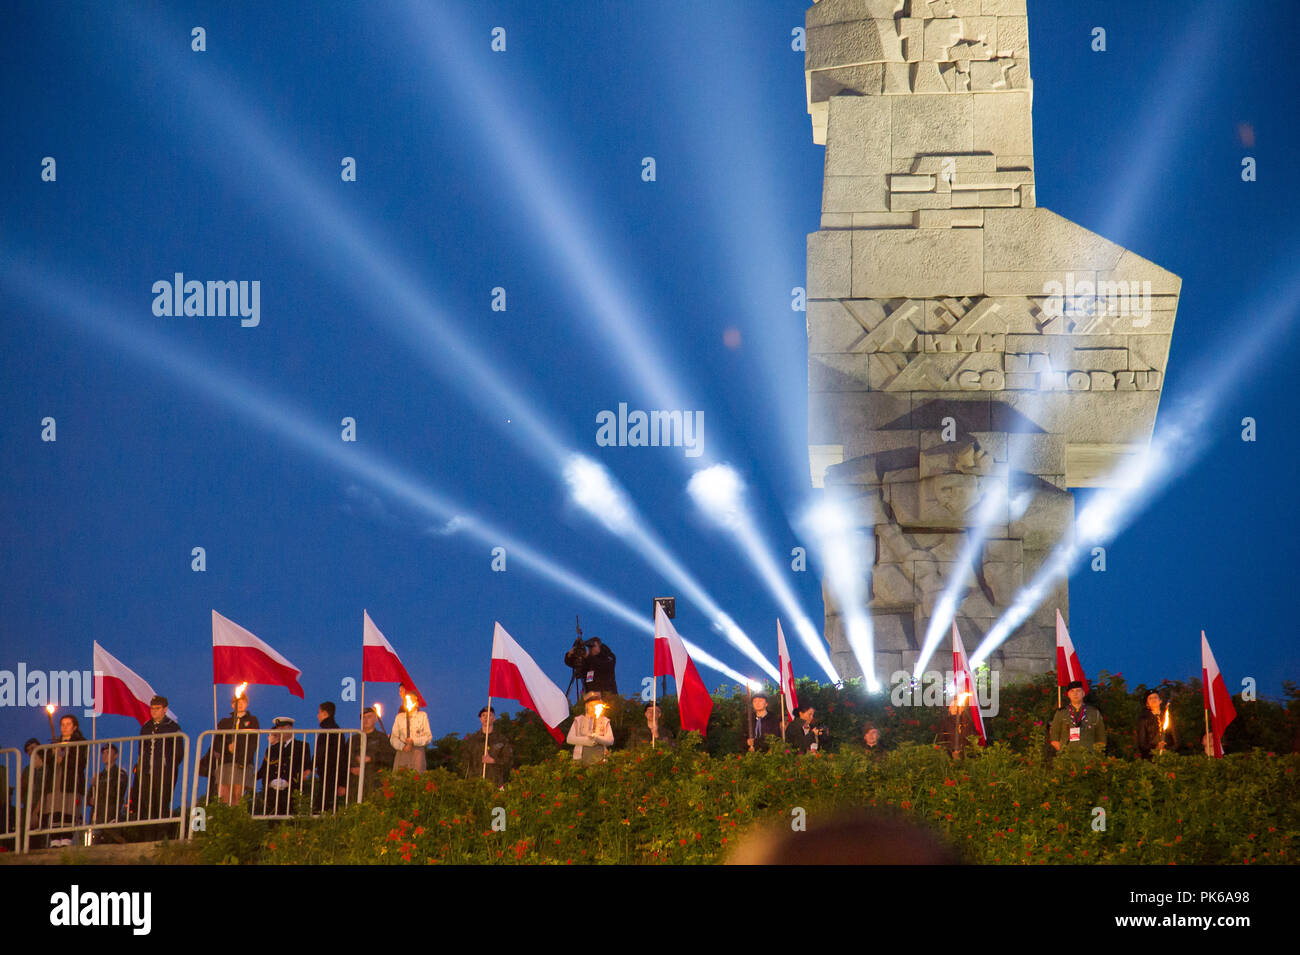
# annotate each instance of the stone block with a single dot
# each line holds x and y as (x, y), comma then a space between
(1001, 123)
(932, 123)
(837, 220)
(826, 12)
(846, 82)
(830, 264)
(1026, 282)
(839, 372)
(1040, 240)
(1013, 37)
(911, 183)
(855, 194)
(1148, 352)
(912, 201)
(1133, 268)
(985, 198)
(851, 43)
(1037, 453)
(915, 263)
(859, 136)
(898, 78)
(832, 327)
(940, 36)
(884, 220)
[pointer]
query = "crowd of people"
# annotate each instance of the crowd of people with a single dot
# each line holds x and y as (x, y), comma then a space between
(138, 803)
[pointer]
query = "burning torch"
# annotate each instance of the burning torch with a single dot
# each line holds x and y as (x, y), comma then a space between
(49, 711)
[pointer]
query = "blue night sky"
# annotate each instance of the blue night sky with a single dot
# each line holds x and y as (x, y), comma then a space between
(522, 170)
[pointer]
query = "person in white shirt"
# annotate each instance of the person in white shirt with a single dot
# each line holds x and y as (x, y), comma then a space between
(591, 735)
(411, 733)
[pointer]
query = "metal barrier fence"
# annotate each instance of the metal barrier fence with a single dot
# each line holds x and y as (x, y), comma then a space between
(79, 791)
(11, 788)
(281, 772)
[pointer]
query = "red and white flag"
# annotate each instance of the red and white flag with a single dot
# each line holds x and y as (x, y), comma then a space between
(240, 657)
(516, 677)
(965, 683)
(1068, 667)
(671, 659)
(787, 673)
(119, 690)
(379, 661)
(1217, 698)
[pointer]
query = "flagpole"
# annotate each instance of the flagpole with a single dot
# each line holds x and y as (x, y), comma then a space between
(654, 696)
(489, 730)
(214, 705)
(1208, 738)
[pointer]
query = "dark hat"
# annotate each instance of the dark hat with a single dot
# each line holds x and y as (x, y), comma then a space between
(591, 695)
(761, 696)
(158, 700)
(488, 709)
(281, 721)
(370, 710)
(1074, 685)
(327, 706)
(30, 743)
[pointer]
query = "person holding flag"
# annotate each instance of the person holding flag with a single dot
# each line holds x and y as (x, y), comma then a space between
(1219, 711)
(964, 707)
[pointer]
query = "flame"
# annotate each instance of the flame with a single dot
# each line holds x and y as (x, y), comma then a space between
(410, 703)
(600, 709)
(754, 686)
(963, 697)
(379, 711)
(239, 690)
(1165, 725)
(50, 708)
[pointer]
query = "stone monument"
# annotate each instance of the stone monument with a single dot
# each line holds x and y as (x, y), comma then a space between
(962, 341)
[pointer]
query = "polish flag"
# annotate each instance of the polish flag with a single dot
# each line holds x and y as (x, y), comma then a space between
(239, 657)
(965, 682)
(379, 661)
(787, 673)
(671, 659)
(1068, 667)
(1217, 698)
(119, 690)
(516, 677)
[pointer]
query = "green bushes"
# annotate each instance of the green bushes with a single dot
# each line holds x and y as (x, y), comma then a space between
(692, 803)
(684, 806)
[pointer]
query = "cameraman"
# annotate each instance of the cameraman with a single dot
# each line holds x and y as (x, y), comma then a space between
(599, 669)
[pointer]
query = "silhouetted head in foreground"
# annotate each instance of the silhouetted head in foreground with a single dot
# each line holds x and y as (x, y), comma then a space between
(849, 838)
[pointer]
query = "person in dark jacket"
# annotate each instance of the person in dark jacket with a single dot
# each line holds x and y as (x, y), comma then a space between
(108, 794)
(65, 781)
(331, 766)
(156, 770)
(653, 728)
(496, 761)
(379, 755)
(600, 670)
(762, 726)
(232, 754)
(1152, 739)
(802, 736)
(285, 768)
